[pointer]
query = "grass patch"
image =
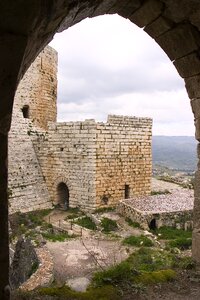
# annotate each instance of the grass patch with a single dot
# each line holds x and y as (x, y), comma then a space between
(107, 292)
(104, 209)
(108, 225)
(145, 266)
(186, 263)
(103, 293)
(181, 243)
(132, 224)
(25, 222)
(138, 241)
(170, 233)
(57, 237)
(74, 212)
(86, 222)
(154, 277)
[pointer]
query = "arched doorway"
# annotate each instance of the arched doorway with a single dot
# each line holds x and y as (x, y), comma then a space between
(152, 224)
(63, 195)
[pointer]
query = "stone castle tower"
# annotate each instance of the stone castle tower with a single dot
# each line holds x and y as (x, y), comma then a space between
(87, 164)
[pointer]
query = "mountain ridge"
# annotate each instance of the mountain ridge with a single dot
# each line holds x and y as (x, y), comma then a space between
(175, 152)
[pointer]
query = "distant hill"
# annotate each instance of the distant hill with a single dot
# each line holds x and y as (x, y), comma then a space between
(175, 152)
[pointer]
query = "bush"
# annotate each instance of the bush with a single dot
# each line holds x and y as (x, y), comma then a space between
(164, 192)
(132, 224)
(146, 266)
(182, 243)
(138, 241)
(86, 222)
(108, 225)
(57, 237)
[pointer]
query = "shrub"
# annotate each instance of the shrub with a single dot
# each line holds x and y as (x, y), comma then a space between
(132, 224)
(86, 222)
(145, 266)
(57, 237)
(164, 192)
(108, 225)
(138, 241)
(182, 243)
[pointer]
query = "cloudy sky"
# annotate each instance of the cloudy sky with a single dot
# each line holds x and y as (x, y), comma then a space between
(107, 65)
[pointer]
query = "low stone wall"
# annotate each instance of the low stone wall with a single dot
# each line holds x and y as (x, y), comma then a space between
(178, 219)
(44, 274)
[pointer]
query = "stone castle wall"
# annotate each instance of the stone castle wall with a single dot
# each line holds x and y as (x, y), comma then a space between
(67, 155)
(97, 160)
(38, 89)
(98, 163)
(123, 158)
(27, 187)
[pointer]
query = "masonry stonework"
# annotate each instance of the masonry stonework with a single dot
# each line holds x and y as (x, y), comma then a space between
(87, 164)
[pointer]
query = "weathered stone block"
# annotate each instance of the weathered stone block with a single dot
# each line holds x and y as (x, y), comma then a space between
(125, 8)
(192, 85)
(159, 26)
(189, 65)
(147, 13)
(180, 41)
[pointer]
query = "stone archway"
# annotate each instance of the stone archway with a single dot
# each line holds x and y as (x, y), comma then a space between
(27, 26)
(62, 195)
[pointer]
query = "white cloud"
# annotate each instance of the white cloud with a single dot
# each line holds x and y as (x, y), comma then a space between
(108, 65)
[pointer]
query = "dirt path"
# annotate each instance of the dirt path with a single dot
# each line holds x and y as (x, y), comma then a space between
(79, 258)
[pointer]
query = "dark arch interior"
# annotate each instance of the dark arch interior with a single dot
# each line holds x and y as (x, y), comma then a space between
(26, 111)
(152, 224)
(63, 195)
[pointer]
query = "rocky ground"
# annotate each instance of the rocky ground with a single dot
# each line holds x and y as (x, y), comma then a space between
(75, 260)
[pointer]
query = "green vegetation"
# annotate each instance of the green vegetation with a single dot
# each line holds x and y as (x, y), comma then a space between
(86, 222)
(146, 266)
(132, 224)
(164, 192)
(25, 223)
(182, 243)
(108, 225)
(57, 237)
(170, 233)
(74, 212)
(107, 292)
(104, 209)
(138, 241)
(34, 268)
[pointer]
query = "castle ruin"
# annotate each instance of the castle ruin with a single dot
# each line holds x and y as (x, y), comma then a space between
(86, 163)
